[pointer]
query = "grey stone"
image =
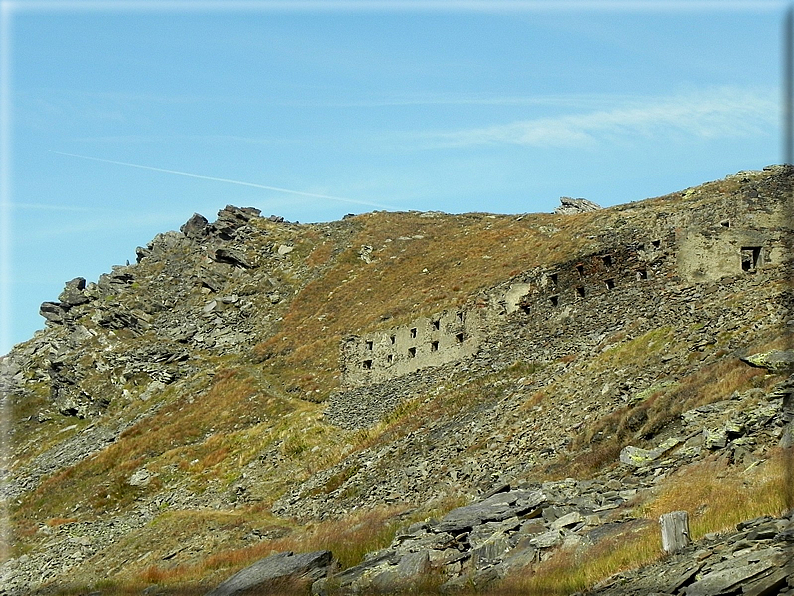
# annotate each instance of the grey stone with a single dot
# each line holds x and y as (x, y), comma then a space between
(569, 519)
(279, 569)
(768, 583)
(52, 311)
(413, 564)
(715, 439)
(637, 457)
(776, 361)
(74, 292)
(569, 206)
(675, 531)
(140, 477)
(547, 539)
(491, 550)
(733, 572)
(495, 508)
(233, 257)
(196, 227)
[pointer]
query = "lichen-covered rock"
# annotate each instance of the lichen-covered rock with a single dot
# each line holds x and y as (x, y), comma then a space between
(637, 457)
(776, 361)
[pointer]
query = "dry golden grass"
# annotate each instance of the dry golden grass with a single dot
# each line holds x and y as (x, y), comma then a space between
(341, 301)
(574, 570)
(185, 429)
(718, 496)
(349, 540)
(600, 443)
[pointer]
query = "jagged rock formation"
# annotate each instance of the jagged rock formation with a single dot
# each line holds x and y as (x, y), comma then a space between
(569, 206)
(232, 392)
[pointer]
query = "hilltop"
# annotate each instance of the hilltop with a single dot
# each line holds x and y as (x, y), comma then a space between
(472, 401)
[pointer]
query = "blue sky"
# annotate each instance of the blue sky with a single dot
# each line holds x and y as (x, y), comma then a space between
(122, 119)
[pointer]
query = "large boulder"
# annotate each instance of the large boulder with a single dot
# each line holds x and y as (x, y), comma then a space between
(498, 507)
(282, 570)
(637, 457)
(230, 219)
(52, 311)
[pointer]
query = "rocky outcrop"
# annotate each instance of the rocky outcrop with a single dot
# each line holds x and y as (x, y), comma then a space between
(482, 543)
(756, 559)
(776, 361)
(196, 227)
(569, 206)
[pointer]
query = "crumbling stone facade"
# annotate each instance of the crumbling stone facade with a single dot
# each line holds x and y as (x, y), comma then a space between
(449, 336)
(635, 267)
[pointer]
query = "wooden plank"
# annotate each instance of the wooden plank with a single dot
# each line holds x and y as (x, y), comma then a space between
(675, 531)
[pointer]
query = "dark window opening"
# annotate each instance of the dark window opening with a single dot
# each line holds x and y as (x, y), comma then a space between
(642, 274)
(656, 243)
(367, 364)
(580, 270)
(460, 317)
(725, 223)
(750, 257)
(370, 345)
(459, 338)
(393, 339)
(580, 291)
(390, 358)
(610, 283)
(555, 300)
(553, 277)
(434, 346)
(411, 352)
(525, 308)
(413, 333)
(437, 325)
(607, 260)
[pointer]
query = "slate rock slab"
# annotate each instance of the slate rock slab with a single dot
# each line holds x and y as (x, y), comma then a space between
(498, 507)
(233, 257)
(276, 569)
(725, 577)
(776, 361)
(637, 457)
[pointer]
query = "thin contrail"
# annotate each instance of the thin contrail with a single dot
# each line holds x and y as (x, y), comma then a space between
(46, 207)
(228, 180)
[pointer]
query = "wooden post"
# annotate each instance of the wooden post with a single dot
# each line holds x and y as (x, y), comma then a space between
(675, 531)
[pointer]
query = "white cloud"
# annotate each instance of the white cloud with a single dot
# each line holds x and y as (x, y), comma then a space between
(717, 113)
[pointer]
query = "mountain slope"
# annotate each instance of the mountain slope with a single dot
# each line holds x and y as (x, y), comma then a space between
(196, 410)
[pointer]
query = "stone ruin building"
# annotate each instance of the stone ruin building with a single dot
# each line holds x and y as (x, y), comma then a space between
(638, 267)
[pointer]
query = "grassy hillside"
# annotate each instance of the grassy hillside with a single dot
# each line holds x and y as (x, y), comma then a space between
(175, 484)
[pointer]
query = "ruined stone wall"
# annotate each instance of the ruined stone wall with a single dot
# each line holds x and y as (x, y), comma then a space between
(648, 273)
(449, 336)
(709, 255)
